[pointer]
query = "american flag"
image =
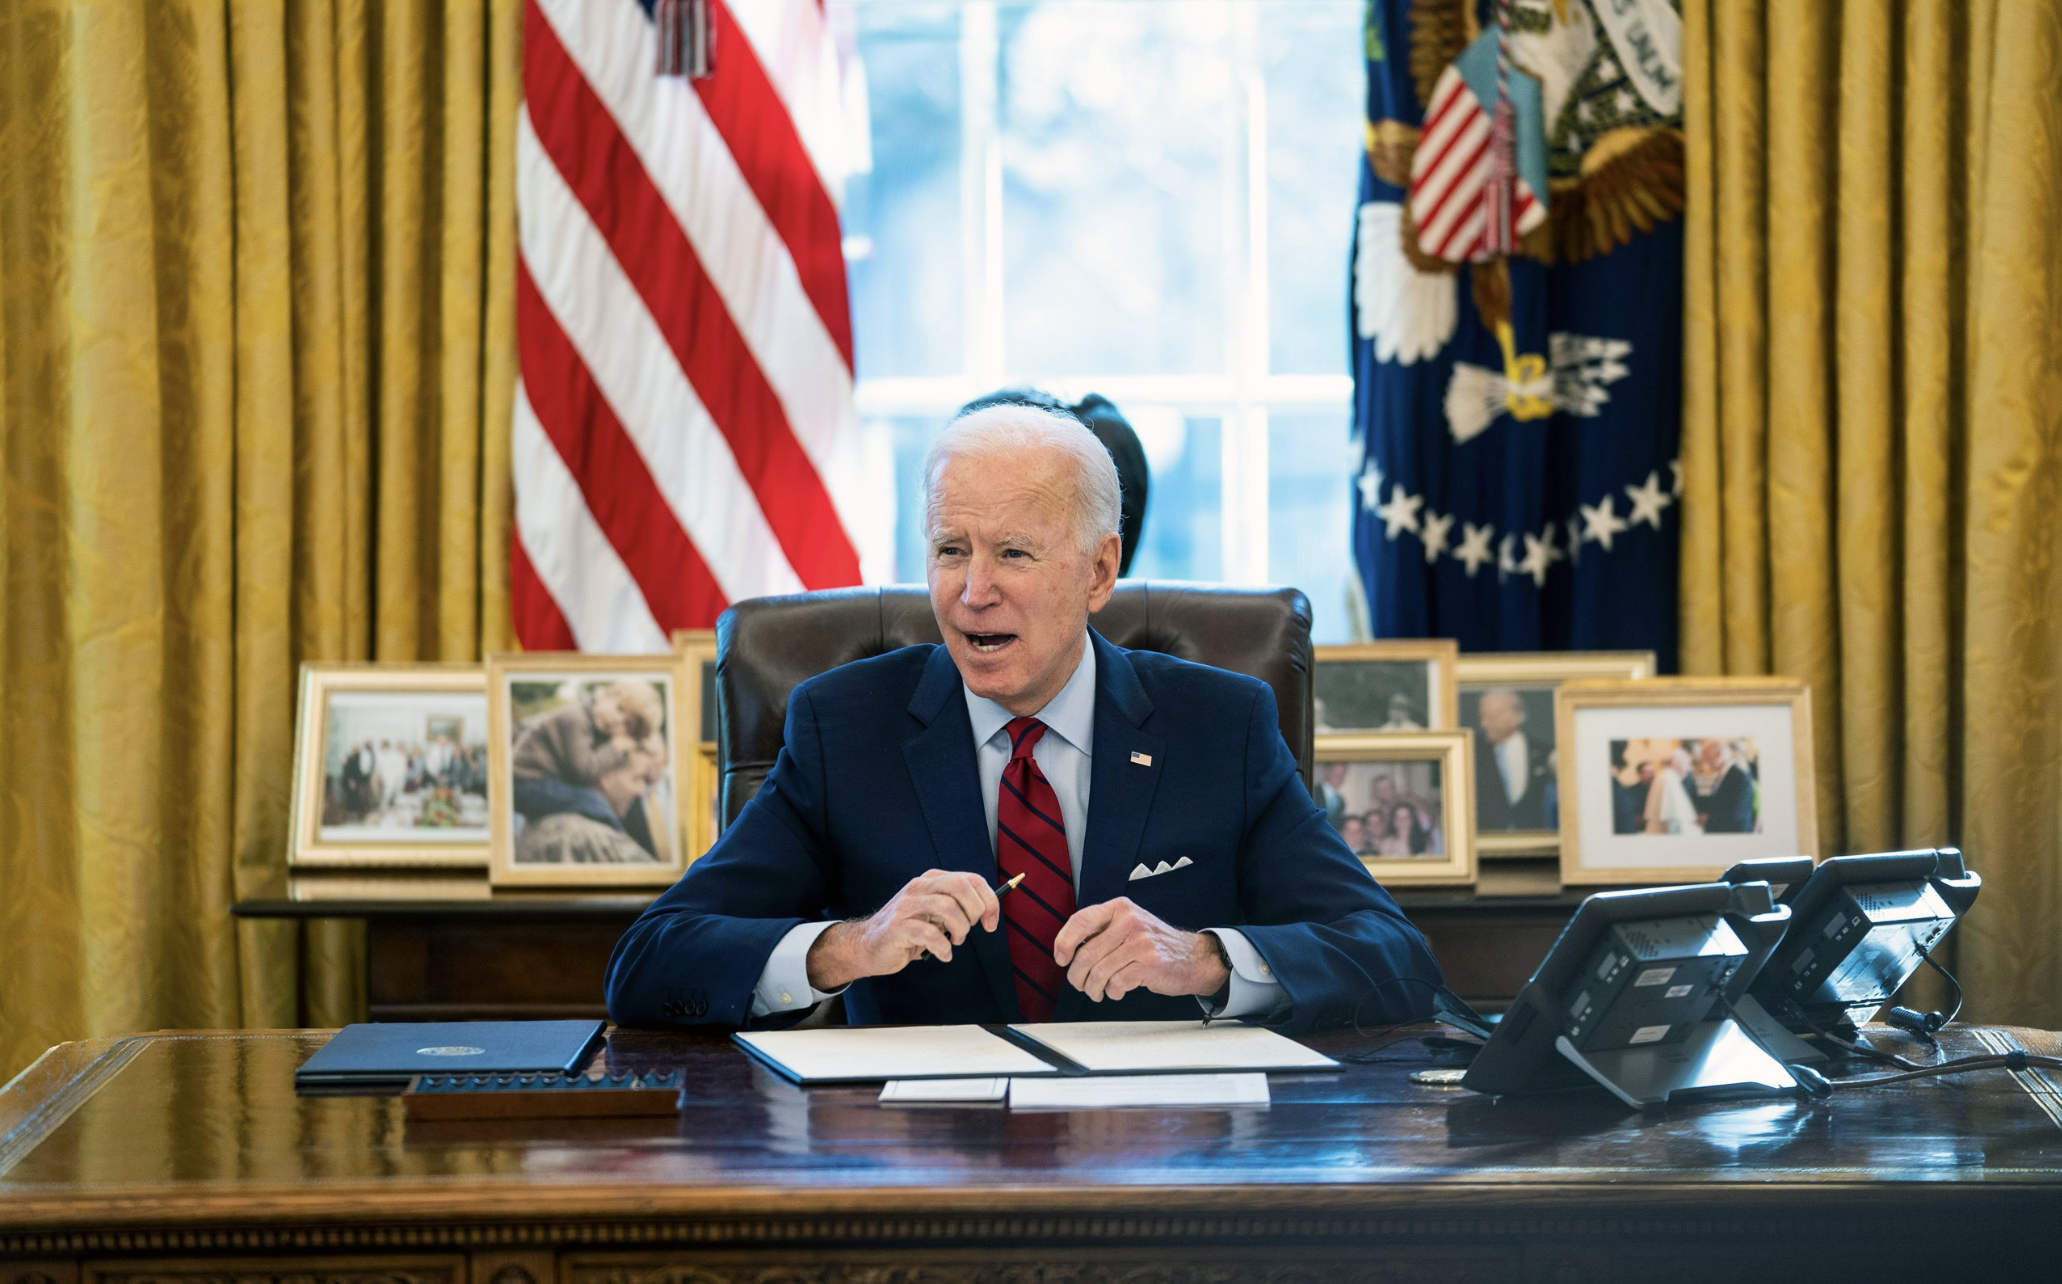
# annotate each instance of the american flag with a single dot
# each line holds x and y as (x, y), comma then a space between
(685, 433)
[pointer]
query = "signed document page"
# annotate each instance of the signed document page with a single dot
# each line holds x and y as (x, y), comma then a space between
(1149, 1047)
(876, 1053)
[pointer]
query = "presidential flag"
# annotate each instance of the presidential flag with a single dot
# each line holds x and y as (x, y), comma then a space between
(1516, 323)
(684, 431)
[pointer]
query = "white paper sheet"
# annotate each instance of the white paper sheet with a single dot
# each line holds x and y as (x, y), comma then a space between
(863, 1053)
(1104, 1092)
(944, 1092)
(1129, 1047)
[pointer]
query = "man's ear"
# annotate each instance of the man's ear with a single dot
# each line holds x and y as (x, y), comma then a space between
(1102, 571)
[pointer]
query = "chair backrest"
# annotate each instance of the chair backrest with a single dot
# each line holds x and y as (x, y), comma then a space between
(765, 646)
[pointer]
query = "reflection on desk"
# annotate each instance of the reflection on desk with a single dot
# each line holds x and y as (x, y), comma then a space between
(194, 1144)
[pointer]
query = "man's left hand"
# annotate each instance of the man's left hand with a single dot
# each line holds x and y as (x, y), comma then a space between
(1113, 948)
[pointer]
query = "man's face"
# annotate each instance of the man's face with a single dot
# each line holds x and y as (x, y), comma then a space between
(1502, 713)
(1711, 757)
(1383, 790)
(1010, 586)
(1335, 774)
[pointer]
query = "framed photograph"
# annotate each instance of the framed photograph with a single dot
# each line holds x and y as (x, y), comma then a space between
(1671, 780)
(589, 756)
(1507, 702)
(390, 767)
(1403, 802)
(697, 651)
(1384, 686)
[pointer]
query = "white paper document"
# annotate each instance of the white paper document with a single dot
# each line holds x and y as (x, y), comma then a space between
(1103, 1092)
(872, 1054)
(1140, 1047)
(945, 1092)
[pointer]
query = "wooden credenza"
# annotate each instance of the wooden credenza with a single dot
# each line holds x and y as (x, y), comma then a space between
(186, 1158)
(540, 955)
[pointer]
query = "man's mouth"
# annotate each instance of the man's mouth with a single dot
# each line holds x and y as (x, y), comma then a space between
(989, 643)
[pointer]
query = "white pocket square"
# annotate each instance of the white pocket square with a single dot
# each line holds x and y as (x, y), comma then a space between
(1139, 870)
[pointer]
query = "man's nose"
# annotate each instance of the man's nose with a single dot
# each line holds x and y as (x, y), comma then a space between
(980, 588)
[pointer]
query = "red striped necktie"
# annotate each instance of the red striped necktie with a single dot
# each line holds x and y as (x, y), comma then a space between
(1031, 839)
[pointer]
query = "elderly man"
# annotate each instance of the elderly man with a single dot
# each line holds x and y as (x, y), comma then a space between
(1173, 862)
(1514, 774)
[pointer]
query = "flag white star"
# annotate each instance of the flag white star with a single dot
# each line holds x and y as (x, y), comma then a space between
(1433, 531)
(1600, 522)
(1648, 501)
(1401, 512)
(1539, 554)
(1474, 549)
(1507, 557)
(1676, 466)
(1370, 483)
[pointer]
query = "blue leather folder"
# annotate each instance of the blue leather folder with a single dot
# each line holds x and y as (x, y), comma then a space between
(385, 1056)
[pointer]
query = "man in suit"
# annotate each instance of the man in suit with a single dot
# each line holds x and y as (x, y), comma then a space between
(1174, 862)
(1724, 795)
(1512, 770)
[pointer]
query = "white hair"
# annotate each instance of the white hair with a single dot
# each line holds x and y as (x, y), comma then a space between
(1011, 428)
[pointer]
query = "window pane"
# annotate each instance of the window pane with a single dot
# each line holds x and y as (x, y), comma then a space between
(1309, 540)
(1116, 119)
(912, 436)
(1182, 536)
(902, 221)
(1314, 74)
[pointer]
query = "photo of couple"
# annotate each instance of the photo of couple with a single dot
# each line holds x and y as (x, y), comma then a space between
(590, 771)
(404, 767)
(1384, 808)
(1685, 786)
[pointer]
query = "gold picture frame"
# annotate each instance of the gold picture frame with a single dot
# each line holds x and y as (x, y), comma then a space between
(394, 792)
(1533, 676)
(1642, 804)
(1452, 750)
(1346, 688)
(697, 651)
(581, 849)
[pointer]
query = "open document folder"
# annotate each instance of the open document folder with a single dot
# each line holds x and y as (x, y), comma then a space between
(873, 1054)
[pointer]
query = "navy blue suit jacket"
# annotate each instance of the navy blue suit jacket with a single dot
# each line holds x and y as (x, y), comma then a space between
(877, 783)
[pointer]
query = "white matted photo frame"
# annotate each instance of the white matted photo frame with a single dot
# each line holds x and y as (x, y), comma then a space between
(1400, 685)
(1672, 780)
(697, 651)
(1517, 790)
(1403, 802)
(390, 767)
(590, 759)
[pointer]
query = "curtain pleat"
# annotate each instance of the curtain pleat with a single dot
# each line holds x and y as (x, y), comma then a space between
(1873, 426)
(256, 362)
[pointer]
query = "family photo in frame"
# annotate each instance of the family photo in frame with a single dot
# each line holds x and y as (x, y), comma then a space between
(589, 758)
(390, 767)
(1676, 779)
(1384, 686)
(1401, 801)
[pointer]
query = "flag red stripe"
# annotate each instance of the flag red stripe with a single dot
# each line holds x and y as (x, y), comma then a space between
(613, 479)
(603, 171)
(1429, 220)
(747, 110)
(539, 624)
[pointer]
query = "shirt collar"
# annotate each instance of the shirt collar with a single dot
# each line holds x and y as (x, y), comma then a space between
(1070, 715)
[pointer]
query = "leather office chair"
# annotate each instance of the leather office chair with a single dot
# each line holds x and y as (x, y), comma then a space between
(767, 645)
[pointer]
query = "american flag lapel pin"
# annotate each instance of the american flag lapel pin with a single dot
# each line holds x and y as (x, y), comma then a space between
(1141, 759)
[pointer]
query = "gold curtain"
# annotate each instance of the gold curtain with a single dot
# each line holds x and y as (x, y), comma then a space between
(256, 366)
(1872, 426)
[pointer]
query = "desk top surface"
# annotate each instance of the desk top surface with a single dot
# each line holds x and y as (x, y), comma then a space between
(160, 1126)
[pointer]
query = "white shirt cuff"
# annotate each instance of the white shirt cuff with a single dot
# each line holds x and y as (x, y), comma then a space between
(784, 981)
(1254, 991)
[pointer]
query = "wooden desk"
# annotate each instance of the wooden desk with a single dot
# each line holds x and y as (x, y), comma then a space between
(187, 1159)
(541, 955)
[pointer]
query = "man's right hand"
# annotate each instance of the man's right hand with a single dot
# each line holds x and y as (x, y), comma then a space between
(930, 915)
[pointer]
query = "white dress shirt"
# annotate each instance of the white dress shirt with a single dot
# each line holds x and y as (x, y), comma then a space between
(1064, 754)
(1514, 764)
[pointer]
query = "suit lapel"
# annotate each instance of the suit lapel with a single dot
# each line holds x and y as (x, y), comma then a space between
(948, 788)
(1120, 789)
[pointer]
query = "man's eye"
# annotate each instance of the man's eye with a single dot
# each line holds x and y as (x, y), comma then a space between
(1015, 552)
(948, 550)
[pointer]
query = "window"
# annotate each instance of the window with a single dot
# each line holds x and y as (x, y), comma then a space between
(1149, 199)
